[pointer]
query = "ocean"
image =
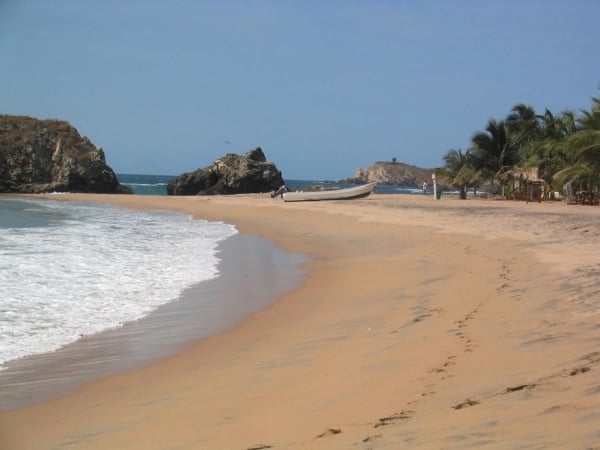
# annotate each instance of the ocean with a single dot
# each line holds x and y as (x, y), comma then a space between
(71, 269)
(157, 185)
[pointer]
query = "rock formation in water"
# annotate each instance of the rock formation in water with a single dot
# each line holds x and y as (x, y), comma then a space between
(230, 174)
(50, 156)
(391, 173)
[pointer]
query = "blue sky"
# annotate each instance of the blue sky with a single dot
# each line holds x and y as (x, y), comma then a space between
(324, 87)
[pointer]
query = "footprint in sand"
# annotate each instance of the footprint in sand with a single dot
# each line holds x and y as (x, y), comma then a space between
(371, 438)
(402, 415)
(329, 432)
(467, 403)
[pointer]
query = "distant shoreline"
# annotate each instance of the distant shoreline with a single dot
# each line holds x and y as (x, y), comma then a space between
(156, 185)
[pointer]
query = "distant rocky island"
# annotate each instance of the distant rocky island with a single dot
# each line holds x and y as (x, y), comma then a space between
(230, 174)
(252, 173)
(391, 172)
(39, 156)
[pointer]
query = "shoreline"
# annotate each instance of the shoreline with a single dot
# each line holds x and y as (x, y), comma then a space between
(206, 308)
(420, 323)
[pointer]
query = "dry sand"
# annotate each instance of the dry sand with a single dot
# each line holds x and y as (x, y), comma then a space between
(421, 324)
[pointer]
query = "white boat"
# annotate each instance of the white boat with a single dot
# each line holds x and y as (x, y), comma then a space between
(332, 194)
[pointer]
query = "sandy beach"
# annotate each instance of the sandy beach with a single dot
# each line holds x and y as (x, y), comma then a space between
(420, 324)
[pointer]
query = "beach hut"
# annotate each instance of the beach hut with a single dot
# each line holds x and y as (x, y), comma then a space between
(523, 184)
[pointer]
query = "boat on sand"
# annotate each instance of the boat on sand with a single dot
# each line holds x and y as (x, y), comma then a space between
(333, 194)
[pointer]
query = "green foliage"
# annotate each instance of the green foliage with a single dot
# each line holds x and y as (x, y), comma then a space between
(564, 148)
(583, 151)
(458, 170)
(495, 150)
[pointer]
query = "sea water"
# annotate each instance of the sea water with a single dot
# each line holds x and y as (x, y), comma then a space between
(146, 184)
(70, 269)
(157, 185)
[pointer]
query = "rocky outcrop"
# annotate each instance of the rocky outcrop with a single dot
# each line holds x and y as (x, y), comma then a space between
(50, 156)
(230, 174)
(391, 173)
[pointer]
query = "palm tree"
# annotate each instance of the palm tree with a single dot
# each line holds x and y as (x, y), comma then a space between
(584, 147)
(457, 170)
(524, 125)
(494, 150)
(547, 151)
(523, 117)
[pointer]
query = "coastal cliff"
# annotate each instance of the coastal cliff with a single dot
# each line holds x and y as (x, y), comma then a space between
(50, 156)
(230, 174)
(398, 173)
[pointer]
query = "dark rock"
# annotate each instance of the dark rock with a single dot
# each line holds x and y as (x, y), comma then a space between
(50, 156)
(391, 173)
(230, 174)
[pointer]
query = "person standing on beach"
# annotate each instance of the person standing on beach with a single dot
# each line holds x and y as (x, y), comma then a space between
(424, 187)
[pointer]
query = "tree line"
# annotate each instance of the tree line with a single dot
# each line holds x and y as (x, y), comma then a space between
(563, 149)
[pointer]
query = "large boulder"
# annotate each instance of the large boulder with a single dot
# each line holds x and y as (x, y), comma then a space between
(50, 156)
(230, 174)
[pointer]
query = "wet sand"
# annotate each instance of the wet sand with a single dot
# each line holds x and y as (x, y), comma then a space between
(248, 264)
(420, 324)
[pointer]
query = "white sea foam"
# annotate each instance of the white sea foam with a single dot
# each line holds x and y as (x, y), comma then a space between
(95, 267)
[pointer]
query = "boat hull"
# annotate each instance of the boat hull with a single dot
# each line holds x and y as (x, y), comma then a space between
(339, 194)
